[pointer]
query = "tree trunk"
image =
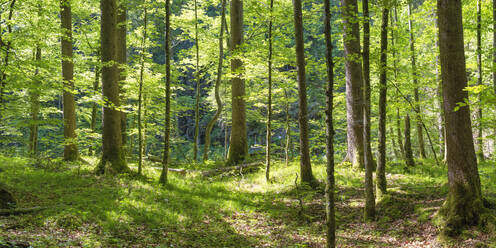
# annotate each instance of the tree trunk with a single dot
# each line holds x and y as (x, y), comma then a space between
(494, 65)
(8, 46)
(396, 151)
(34, 95)
(70, 147)
(415, 85)
(329, 190)
(197, 95)
(165, 160)
(288, 128)
(238, 148)
(480, 142)
(464, 203)
(140, 90)
(395, 71)
(354, 83)
(305, 166)
(381, 165)
(408, 144)
(113, 160)
(121, 46)
(269, 100)
(94, 107)
(218, 81)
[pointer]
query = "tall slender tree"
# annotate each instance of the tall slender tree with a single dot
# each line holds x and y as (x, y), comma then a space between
(381, 165)
(480, 142)
(34, 95)
(394, 19)
(197, 94)
(464, 203)
(238, 148)
(140, 89)
(330, 182)
(408, 144)
(305, 166)
(113, 160)
(354, 83)
(218, 81)
(121, 46)
(6, 46)
(415, 84)
(165, 160)
(70, 147)
(269, 100)
(494, 64)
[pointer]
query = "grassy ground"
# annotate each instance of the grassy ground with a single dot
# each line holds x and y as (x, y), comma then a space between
(84, 210)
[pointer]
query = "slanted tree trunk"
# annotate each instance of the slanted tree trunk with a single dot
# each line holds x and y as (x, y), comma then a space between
(381, 165)
(354, 83)
(70, 147)
(197, 77)
(408, 144)
(480, 142)
(165, 159)
(464, 203)
(269, 100)
(238, 148)
(34, 95)
(218, 81)
(140, 90)
(329, 190)
(305, 166)
(415, 85)
(113, 160)
(121, 46)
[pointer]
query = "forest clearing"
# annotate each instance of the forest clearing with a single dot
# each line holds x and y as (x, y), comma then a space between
(247, 123)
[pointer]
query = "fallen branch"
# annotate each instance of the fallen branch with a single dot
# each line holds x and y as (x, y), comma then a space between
(17, 211)
(243, 167)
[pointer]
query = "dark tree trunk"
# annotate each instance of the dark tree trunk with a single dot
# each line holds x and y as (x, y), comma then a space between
(494, 64)
(238, 148)
(197, 95)
(70, 147)
(34, 95)
(354, 83)
(113, 160)
(480, 142)
(464, 203)
(140, 90)
(408, 144)
(6, 46)
(305, 166)
(269, 100)
(381, 165)
(218, 81)
(288, 128)
(121, 46)
(415, 85)
(329, 190)
(165, 160)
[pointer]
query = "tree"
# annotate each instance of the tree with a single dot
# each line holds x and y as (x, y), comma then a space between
(113, 160)
(494, 58)
(415, 84)
(165, 159)
(480, 142)
(354, 83)
(197, 97)
(70, 147)
(305, 166)
(7, 46)
(381, 165)
(121, 46)
(140, 89)
(34, 95)
(408, 144)
(238, 148)
(463, 205)
(269, 100)
(218, 81)
(330, 183)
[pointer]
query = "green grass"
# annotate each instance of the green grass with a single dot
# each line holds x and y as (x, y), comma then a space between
(84, 210)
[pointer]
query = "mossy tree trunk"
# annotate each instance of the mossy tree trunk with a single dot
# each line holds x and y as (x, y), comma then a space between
(480, 142)
(464, 203)
(121, 45)
(408, 144)
(305, 166)
(69, 105)
(238, 148)
(113, 160)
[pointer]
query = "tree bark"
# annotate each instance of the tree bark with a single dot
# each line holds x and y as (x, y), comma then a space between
(197, 95)
(140, 90)
(8, 46)
(34, 95)
(381, 165)
(354, 83)
(330, 182)
(305, 166)
(218, 81)
(288, 128)
(165, 161)
(238, 148)
(269, 100)
(94, 107)
(121, 46)
(113, 160)
(480, 142)
(494, 65)
(408, 144)
(70, 147)
(464, 203)
(415, 85)
(395, 73)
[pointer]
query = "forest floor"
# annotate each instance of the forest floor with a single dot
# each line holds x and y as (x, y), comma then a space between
(84, 210)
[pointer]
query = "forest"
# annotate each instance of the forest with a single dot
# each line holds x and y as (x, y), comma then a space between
(247, 123)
